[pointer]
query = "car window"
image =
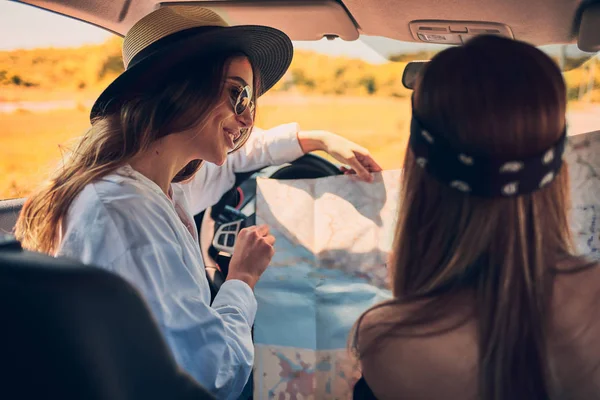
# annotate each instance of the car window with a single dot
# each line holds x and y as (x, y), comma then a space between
(346, 88)
(51, 69)
(48, 82)
(581, 71)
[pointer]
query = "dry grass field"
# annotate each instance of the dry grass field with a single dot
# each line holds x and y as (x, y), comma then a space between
(32, 142)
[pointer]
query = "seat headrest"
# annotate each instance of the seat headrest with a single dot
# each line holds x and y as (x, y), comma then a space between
(72, 331)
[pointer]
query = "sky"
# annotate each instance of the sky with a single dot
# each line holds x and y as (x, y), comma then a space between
(26, 27)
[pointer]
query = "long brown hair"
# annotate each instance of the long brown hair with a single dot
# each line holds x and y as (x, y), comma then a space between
(172, 102)
(505, 99)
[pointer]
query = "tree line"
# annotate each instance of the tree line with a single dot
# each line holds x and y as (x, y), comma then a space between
(94, 66)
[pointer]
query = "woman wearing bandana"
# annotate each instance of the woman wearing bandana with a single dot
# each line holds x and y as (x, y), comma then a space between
(490, 301)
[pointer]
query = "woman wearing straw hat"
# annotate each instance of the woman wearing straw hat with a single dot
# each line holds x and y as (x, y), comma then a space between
(126, 197)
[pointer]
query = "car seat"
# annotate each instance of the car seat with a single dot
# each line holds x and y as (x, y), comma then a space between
(71, 331)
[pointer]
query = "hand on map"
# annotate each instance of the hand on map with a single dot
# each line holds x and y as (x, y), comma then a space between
(252, 254)
(359, 160)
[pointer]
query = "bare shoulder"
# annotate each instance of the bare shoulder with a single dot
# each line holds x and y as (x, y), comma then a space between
(380, 322)
(378, 348)
(576, 324)
(577, 289)
(577, 278)
(575, 264)
(410, 359)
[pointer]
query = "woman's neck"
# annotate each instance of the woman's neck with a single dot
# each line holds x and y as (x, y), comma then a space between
(161, 162)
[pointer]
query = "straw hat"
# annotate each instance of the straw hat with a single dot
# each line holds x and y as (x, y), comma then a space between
(171, 34)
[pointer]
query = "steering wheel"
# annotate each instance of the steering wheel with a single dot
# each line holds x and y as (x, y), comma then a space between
(236, 209)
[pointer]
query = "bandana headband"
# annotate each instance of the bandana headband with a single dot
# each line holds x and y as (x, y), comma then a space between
(480, 175)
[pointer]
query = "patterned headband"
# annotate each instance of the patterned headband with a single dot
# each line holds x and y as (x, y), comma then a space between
(480, 175)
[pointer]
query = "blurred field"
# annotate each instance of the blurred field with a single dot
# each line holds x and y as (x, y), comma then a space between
(30, 147)
(364, 102)
(32, 142)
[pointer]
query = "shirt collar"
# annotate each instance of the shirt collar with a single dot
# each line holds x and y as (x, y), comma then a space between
(128, 171)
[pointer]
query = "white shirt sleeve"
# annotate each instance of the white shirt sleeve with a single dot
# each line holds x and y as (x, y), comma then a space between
(125, 224)
(212, 343)
(264, 147)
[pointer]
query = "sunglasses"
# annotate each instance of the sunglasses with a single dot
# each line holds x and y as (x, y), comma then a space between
(241, 99)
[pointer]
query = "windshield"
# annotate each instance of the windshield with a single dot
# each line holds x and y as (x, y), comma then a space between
(379, 62)
(52, 68)
(568, 56)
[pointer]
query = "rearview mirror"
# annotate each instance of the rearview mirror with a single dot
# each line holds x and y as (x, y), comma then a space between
(411, 73)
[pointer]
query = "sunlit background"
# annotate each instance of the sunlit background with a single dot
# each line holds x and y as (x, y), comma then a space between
(52, 68)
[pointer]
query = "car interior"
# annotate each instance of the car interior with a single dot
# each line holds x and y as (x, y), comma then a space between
(94, 350)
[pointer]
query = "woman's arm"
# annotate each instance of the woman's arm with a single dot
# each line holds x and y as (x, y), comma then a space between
(124, 226)
(358, 158)
(279, 145)
(264, 147)
(211, 343)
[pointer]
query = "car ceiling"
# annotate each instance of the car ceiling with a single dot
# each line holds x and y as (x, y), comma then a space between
(536, 21)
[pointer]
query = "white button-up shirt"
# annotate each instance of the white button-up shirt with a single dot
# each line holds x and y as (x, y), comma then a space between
(124, 223)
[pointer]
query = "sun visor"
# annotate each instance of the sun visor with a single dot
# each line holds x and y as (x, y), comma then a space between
(299, 19)
(589, 29)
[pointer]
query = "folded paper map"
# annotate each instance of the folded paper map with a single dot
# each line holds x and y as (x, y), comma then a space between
(333, 239)
(583, 158)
